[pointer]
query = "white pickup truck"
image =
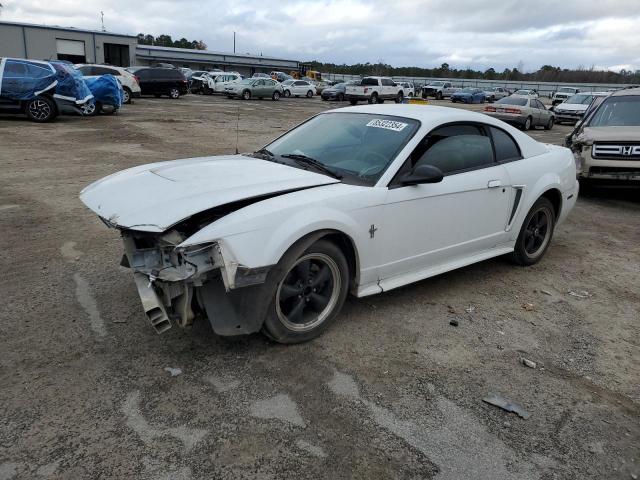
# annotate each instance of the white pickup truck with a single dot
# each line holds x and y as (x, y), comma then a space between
(374, 90)
(438, 89)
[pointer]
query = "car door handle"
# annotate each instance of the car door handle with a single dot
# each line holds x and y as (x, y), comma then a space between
(494, 183)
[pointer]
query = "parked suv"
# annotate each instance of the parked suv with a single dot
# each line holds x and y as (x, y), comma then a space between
(128, 80)
(374, 90)
(606, 144)
(160, 81)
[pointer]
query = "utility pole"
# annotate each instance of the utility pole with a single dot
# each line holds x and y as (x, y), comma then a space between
(102, 20)
(234, 42)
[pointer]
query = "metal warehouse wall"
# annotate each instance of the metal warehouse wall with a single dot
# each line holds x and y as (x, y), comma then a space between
(39, 43)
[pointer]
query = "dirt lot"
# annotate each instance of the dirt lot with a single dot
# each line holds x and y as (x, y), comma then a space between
(391, 391)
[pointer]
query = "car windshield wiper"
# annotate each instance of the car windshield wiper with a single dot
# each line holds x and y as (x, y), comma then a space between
(263, 152)
(304, 160)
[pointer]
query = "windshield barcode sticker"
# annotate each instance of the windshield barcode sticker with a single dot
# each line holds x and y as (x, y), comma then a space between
(387, 124)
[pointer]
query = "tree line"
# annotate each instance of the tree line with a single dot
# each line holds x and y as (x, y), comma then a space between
(167, 41)
(547, 73)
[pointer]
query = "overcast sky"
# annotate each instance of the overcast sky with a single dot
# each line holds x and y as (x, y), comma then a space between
(463, 33)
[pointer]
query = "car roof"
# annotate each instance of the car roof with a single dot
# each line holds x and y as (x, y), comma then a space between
(626, 92)
(432, 117)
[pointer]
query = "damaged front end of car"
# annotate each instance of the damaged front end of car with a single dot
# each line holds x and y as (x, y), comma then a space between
(176, 283)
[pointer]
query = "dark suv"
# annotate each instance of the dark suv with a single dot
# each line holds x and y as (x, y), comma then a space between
(160, 81)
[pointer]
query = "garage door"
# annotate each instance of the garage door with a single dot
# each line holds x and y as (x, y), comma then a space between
(71, 50)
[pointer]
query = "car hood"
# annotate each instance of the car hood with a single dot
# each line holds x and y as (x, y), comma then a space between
(589, 135)
(157, 196)
(571, 107)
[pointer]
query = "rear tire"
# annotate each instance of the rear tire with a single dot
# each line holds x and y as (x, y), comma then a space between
(287, 94)
(246, 95)
(309, 94)
(340, 97)
(174, 93)
(399, 98)
(309, 289)
(90, 109)
(353, 102)
(126, 95)
(535, 234)
(438, 95)
(373, 99)
(275, 96)
(528, 124)
(40, 110)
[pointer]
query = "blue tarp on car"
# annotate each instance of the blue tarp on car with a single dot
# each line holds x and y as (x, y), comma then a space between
(26, 79)
(71, 85)
(105, 89)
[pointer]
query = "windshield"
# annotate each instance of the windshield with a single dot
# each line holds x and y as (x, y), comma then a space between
(288, 82)
(357, 146)
(522, 92)
(513, 101)
(436, 84)
(580, 99)
(618, 112)
(468, 90)
(566, 90)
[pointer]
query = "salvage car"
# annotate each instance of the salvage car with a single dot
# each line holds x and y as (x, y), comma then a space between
(337, 91)
(495, 93)
(254, 88)
(128, 80)
(523, 112)
(468, 95)
(526, 93)
(562, 94)
(28, 87)
(573, 109)
(439, 90)
(361, 199)
(298, 88)
(606, 144)
(159, 81)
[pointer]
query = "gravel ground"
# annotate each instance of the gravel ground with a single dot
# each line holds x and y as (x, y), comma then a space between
(88, 390)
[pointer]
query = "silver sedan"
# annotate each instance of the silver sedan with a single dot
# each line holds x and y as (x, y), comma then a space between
(522, 112)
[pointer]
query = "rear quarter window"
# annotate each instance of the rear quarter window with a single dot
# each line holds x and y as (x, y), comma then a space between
(506, 148)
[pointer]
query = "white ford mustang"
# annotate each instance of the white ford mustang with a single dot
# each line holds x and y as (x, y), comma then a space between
(360, 199)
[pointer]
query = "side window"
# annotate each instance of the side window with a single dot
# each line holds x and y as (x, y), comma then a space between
(14, 69)
(506, 148)
(36, 71)
(541, 105)
(455, 148)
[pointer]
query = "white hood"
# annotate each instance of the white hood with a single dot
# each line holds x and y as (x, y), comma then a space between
(154, 197)
(572, 107)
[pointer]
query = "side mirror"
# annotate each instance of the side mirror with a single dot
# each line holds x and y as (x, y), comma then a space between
(422, 174)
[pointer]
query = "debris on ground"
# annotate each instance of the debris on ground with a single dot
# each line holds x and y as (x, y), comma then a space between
(528, 307)
(470, 309)
(173, 371)
(528, 363)
(579, 293)
(507, 405)
(452, 309)
(454, 322)
(546, 292)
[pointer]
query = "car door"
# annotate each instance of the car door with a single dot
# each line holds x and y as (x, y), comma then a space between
(544, 114)
(465, 214)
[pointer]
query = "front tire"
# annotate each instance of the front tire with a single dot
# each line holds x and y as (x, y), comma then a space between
(439, 96)
(174, 93)
(40, 110)
(549, 124)
(287, 94)
(246, 95)
(373, 99)
(535, 234)
(340, 97)
(309, 94)
(310, 291)
(275, 96)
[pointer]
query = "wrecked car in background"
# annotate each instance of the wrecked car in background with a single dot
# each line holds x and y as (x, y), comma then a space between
(361, 199)
(606, 144)
(108, 94)
(41, 90)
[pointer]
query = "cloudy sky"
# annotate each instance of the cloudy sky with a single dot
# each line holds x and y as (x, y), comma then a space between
(463, 33)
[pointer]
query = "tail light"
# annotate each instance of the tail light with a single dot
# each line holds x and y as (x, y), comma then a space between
(513, 110)
(137, 79)
(489, 109)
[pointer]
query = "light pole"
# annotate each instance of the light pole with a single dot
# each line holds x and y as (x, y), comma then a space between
(234, 42)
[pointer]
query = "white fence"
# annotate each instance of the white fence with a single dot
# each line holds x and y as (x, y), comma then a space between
(544, 88)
